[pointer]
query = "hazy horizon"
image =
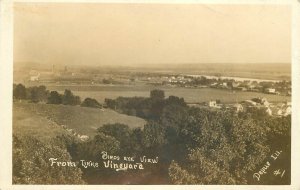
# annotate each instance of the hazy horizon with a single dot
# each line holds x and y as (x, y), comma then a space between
(150, 35)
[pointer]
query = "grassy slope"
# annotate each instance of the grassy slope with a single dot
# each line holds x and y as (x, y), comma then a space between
(26, 122)
(45, 119)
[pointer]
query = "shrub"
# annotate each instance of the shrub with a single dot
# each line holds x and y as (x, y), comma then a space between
(54, 98)
(31, 163)
(69, 99)
(90, 102)
(19, 91)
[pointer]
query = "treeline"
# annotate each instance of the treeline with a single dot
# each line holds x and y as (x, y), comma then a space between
(147, 108)
(38, 94)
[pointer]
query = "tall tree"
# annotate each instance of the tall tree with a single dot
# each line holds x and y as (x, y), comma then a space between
(19, 92)
(157, 94)
(69, 98)
(38, 94)
(54, 98)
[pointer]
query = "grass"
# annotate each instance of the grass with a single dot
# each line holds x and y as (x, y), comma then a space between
(27, 122)
(45, 120)
(191, 95)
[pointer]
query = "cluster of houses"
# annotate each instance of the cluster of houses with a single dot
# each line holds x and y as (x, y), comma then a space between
(275, 109)
(48, 75)
(272, 109)
(252, 85)
(164, 80)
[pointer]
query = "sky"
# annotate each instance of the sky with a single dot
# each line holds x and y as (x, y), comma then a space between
(138, 34)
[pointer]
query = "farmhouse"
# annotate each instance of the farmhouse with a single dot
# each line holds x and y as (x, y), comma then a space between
(35, 77)
(271, 90)
(213, 104)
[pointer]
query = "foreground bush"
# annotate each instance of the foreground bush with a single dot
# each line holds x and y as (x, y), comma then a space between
(31, 163)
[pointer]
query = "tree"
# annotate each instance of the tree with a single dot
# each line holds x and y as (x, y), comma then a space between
(90, 102)
(157, 94)
(136, 141)
(91, 150)
(54, 98)
(107, 81)
(173, 119)
(223, 147)
(205, 171)
(157, 103)
(174, 100)
(157, 106)
(69, 99)
(77, 100)
(38, 94)
(19, 92)
(110, 103)
(31, 163)
(180, 176)
(154, 135)
(120, 132)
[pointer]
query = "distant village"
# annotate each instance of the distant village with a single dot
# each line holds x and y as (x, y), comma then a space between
(64, 76)
(272, 109)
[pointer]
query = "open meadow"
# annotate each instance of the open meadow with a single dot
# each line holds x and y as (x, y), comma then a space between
(45, 120)
(28, 122)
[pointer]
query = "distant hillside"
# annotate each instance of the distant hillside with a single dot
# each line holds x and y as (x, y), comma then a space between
(275, 71)
(47, 120)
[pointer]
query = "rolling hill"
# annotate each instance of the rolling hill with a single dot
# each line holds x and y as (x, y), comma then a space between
(46, 120)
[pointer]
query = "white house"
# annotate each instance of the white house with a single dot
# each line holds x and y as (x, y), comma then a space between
(271, 90)
(213, 104)
(35, 77)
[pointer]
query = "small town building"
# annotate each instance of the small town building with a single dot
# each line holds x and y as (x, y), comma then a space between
(271, 90)
(35, 77)
(213, 104)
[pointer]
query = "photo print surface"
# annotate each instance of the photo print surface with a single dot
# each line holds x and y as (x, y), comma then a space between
(128, 93)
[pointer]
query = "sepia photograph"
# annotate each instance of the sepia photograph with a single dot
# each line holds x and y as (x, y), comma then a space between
(151, 94)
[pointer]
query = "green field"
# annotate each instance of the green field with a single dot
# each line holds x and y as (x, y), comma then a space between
(191, 95)
(45, 120)
(27, 122)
